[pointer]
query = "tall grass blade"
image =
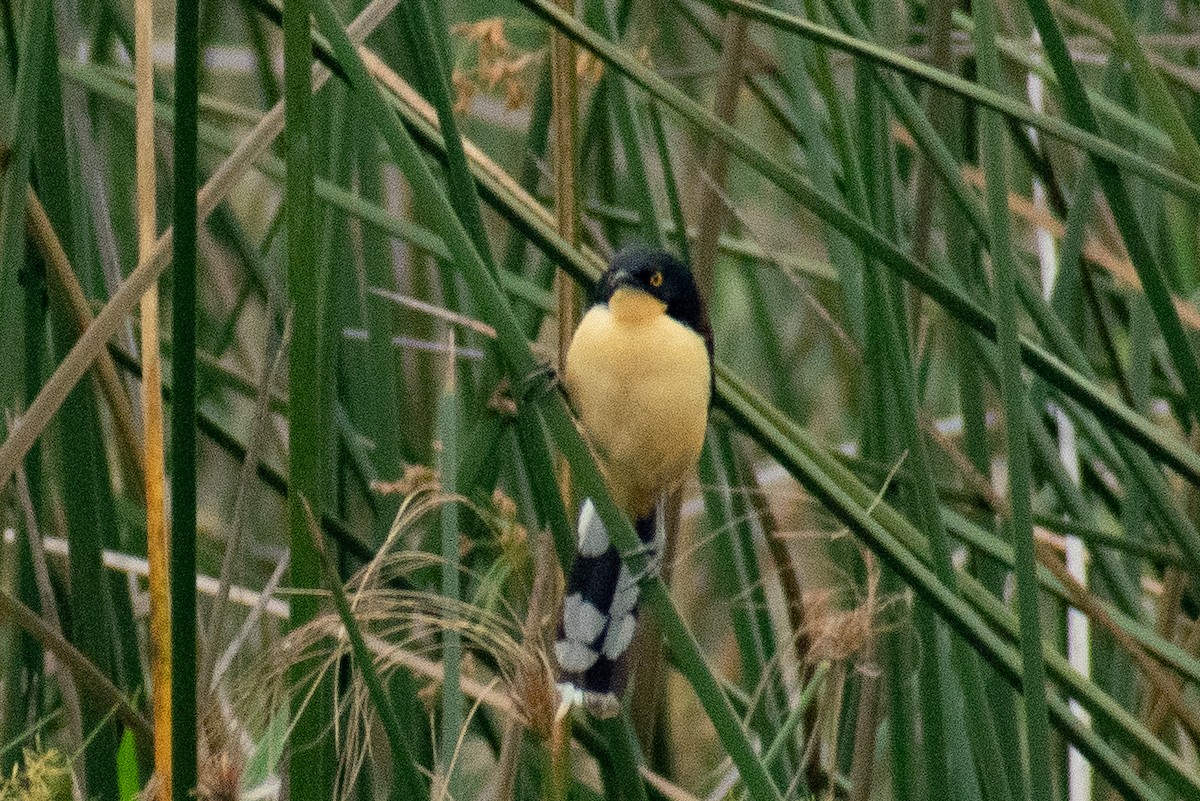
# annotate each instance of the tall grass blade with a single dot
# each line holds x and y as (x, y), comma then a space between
(674, 203)
(311, 745)
(381, 397)
(711, 215)
(425, 27)
(90, 678)
(109, 319)
(408, 784)
(1083, 137)
(628, 132)
(1159, 101)
(36, 45)
(1012, 389)
(564, 117)
(152, 420)
(851, 502)
(184, 731)
(956, 303)
(520, 362)
(1078, 109)
(448, 423)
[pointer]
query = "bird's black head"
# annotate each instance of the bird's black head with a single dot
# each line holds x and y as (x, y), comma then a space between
(661, 276)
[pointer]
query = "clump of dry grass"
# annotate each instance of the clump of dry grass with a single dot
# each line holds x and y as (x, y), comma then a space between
(220, 777)
(403, 623)
(494, 64)
(838, 634)
(416, 478)
(499, 64)
(44, 776)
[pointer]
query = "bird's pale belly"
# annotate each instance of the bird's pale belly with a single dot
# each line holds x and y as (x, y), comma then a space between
(641, 387)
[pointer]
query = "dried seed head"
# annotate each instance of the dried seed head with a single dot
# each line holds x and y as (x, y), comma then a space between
(840, 634)
(220, 776)
(498, 65)
(417, 478)
(44, 776)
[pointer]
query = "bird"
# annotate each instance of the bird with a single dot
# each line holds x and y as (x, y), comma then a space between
(639, 374)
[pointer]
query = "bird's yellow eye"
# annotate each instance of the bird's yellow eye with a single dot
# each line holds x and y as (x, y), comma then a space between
(656, 280)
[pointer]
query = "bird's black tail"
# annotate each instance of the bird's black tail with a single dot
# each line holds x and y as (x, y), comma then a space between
(599, 615)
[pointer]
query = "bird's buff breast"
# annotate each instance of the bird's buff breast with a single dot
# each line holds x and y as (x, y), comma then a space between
(640, 382)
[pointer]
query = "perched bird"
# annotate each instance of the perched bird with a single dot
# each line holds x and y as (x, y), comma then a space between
(639, 374)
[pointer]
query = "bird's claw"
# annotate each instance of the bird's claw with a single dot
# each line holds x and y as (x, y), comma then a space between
(508, 394)
(653, 564)
(536, 383)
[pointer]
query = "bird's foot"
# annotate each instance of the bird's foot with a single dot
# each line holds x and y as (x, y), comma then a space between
(653, 564)
(536, 383)
(508, 394)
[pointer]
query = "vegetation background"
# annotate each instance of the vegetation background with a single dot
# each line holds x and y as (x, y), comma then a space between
(943, 539)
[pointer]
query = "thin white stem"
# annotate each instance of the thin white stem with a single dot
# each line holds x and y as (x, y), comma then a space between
(1079, 770)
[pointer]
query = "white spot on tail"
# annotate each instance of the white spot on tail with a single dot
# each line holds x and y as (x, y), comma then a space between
(625, 597)
(593, 537)
(620, 634)
(571, 695)
(582, 621)
(574, 657)
(601, 705)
